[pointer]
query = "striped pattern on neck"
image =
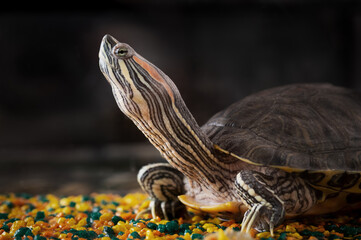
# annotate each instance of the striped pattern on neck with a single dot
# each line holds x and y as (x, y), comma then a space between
(149, 98)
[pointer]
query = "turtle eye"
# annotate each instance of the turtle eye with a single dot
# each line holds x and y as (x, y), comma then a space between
(120, 52)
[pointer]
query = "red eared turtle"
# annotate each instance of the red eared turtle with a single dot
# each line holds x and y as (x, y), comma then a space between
(278, 153)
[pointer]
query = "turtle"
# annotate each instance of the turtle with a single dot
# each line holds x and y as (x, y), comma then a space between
(282, 152)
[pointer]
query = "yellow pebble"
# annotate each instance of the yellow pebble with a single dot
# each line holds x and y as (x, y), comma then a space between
(291, 229)
(212, 229)
(101, 197)
(149, 234)
(105, 238)
(71, 222)
(119, 228)
(202, 222)
(145, 204)
(35, 230)
(208, 225)
(61, 220)
(187, 236)
(67, 210)
(80, 228)
(16, 225)
(296, 235)
(222, 235)
(134, 229)
(65, 201)
(82, 222)
(197, 230)
(82, 207)
(4, 208)
(63, 235)
(214, 220)
(29, 221)
(263, 235)
(106, 217)
(196, 218)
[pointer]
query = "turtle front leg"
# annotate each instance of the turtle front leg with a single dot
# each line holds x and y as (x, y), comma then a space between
(271, 194)
(163, 184)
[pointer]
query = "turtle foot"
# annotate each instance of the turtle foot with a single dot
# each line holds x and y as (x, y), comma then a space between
(261, 218)
(164, 184)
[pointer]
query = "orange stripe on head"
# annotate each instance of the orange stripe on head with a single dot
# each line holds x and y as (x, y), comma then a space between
(154, 74)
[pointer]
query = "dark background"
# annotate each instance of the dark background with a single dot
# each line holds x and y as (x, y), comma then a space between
(60, 128)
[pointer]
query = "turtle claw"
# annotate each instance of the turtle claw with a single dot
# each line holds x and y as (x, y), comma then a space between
(250, 217)
(165, 210)
(262, 217)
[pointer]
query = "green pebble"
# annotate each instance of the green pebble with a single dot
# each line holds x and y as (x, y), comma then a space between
(135, 235)
(24, 231)
(95, 215)
(161, 228)
(31, 207)
(333, 236)
(85, 198)
(116, 219)
(109, 232)
(6, 228)
(11, 220)
(38, 237)
(42, 198)
(9, 204)
(184, 226)
(96, 209)
(84, 233)
(152, 226)
(23, 195)
(120, 233)
(237, 229)
(196, 236)
(4, 216)
(39, 216)
(72, 204)
(282, 236)
(172, 226)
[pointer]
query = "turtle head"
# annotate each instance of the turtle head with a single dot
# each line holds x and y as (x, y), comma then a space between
(152, 101)
(136, 82)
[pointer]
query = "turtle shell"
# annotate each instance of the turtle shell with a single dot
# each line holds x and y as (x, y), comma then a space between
(298, 127)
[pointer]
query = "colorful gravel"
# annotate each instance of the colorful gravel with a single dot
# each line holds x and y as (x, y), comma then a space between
(112, 217)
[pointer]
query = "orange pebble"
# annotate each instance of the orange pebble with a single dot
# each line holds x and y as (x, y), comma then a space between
(157, 233)
(48, 233)
(141, 225)
(253, 232)
(2, 237)
(143, 232)
(127, 216)
(80, 216)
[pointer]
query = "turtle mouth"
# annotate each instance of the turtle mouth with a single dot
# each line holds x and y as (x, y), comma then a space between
(106, 46)
(105, 59)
